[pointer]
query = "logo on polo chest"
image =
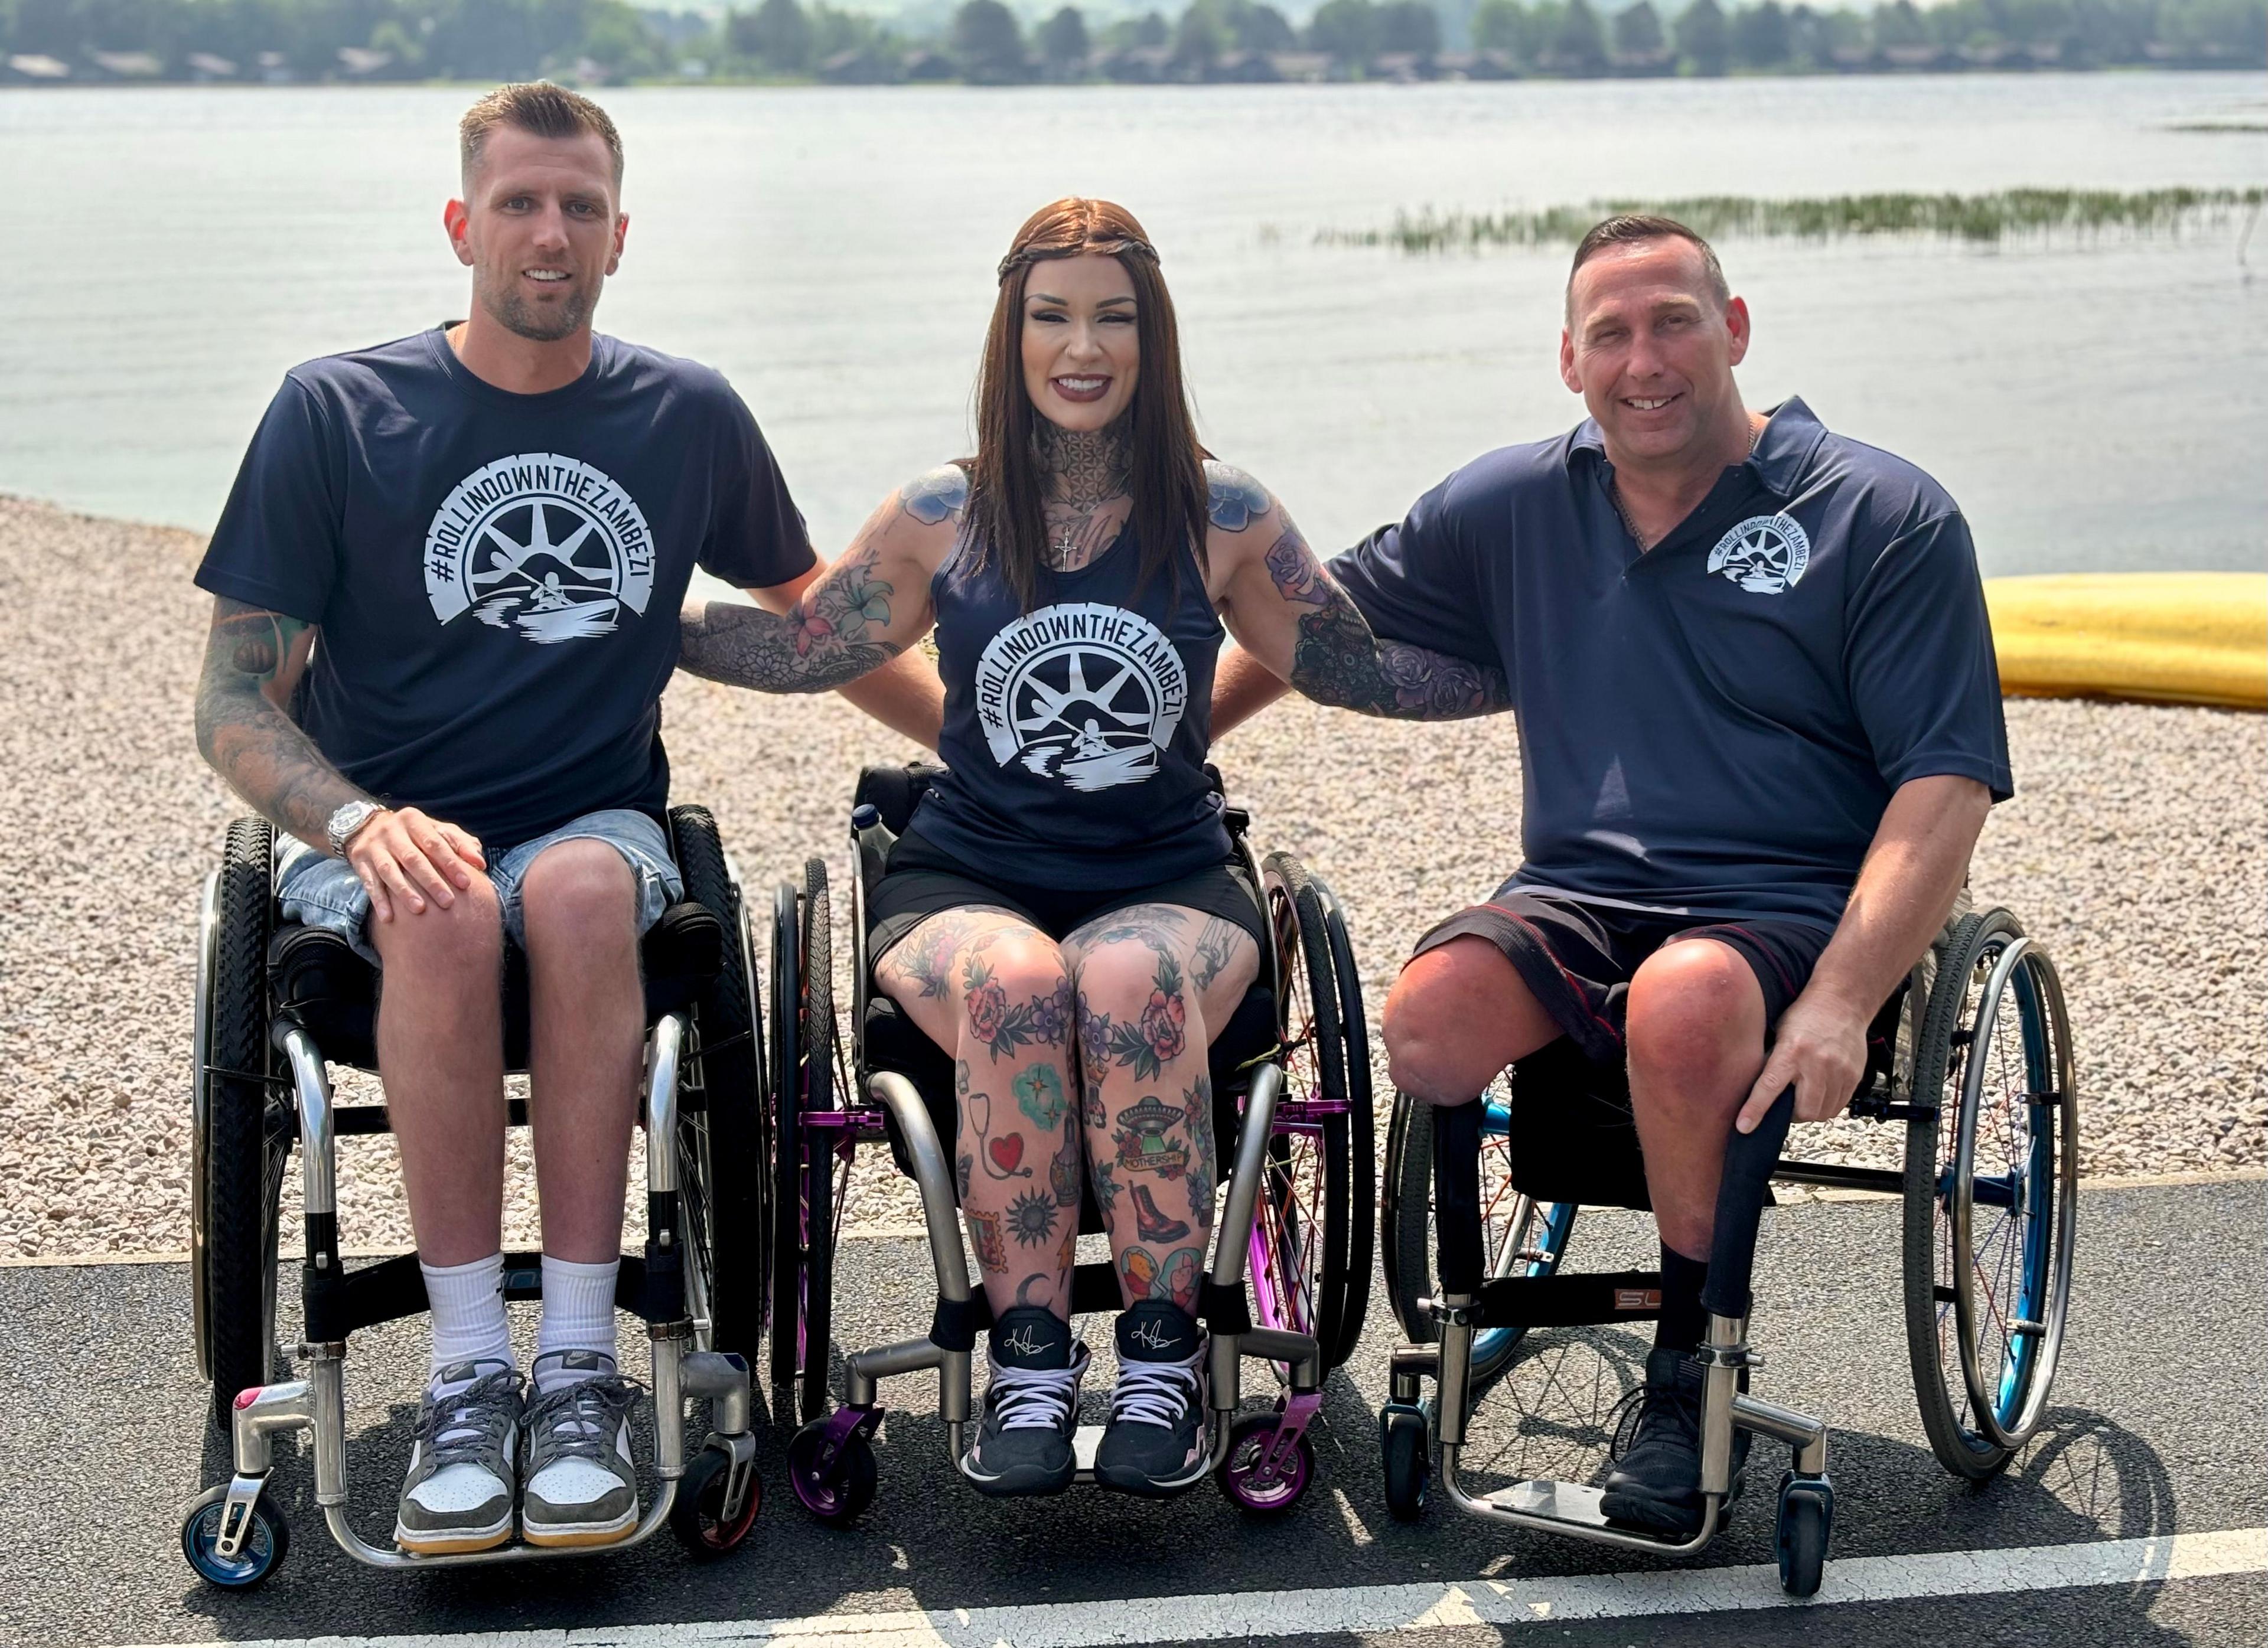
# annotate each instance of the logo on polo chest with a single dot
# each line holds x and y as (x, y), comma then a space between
(540, 544)
(1083, 692)
(1764, 554)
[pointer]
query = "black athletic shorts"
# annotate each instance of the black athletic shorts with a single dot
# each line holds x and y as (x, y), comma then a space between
(1578, 958)
(919, 881)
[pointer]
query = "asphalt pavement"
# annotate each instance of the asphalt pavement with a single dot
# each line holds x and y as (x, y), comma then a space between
(2159, 1427)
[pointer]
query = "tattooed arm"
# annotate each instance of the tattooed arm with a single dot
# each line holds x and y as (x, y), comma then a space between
(253, 659)
(904, 695)
(864, 611)
(1288, 612)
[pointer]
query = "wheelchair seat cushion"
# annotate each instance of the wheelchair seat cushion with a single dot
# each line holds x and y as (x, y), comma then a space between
(316, 975)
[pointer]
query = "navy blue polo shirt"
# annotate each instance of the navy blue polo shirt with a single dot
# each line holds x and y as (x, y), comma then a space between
(1713, 726)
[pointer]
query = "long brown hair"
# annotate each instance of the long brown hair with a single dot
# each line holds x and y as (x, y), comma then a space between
(1166, 470)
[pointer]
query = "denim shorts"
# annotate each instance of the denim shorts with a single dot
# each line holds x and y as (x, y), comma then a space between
(317, 890)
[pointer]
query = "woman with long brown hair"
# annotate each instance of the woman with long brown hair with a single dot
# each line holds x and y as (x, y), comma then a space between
(1065, 915)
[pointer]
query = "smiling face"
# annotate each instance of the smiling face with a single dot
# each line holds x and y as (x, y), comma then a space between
(1651, 348)
(540, 229)
(1080, 351)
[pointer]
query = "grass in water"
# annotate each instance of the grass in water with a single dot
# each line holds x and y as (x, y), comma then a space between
(1978, 218)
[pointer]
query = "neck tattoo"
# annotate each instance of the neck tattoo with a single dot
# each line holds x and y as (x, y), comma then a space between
(1615, 492)
(1085, 474)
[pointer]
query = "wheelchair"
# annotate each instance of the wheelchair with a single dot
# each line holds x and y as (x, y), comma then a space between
(1972, 1055)
(1291, 1076)
(276, 1003)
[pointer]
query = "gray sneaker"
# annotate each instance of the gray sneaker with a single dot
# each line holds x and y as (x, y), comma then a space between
(1154, 1445)
(579, 1485)
(459, 1494)
(1031, 1408)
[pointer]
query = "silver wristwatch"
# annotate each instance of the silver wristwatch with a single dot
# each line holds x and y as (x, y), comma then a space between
(344, 822)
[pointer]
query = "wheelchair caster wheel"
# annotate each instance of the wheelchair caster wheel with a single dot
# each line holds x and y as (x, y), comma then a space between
(1255, 1482)
(1807, 1520)
(834, 1480)
(698, 1518)
(261, 1554)
(1402, 1450)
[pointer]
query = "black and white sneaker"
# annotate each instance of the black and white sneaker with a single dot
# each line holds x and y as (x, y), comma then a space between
(1031, 1408)
(460, 1492)
(1154, 1444)
(581, 1486)
(1655, 1482)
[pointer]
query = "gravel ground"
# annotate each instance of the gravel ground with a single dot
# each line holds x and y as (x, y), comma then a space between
(2134, 852)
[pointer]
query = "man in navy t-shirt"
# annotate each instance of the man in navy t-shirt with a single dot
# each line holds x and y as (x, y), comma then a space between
(1760, 730)
(460, 558)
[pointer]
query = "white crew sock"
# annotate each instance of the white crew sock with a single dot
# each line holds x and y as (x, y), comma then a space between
(579, 1314)
(468, 1319)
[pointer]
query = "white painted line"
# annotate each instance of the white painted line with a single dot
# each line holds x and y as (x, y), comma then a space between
(1390, 1610)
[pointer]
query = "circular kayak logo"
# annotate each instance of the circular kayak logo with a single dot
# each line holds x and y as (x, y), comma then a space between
(1764, 554)
(540, 544)
(1082, 692)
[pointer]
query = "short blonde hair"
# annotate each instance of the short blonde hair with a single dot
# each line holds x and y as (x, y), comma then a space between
(537, 107)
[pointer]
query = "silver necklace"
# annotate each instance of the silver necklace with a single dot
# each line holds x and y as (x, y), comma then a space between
(1615, 492)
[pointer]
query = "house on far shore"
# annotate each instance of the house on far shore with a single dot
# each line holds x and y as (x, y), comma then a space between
(1475, 65)
(205, 66)
(1305, 66)
(128, 65)
(38, 66)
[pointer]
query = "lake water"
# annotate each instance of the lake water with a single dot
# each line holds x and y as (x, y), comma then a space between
(174, 251)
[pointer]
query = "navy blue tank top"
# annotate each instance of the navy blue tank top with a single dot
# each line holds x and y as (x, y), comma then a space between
(1075, 734)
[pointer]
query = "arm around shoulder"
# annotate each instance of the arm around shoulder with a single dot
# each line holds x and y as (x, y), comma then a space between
(1294, 619)
(839, 623)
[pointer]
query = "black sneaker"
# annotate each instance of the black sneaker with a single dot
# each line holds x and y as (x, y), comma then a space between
(1154, 1444)
(1031, 1408)
(1655, 1482)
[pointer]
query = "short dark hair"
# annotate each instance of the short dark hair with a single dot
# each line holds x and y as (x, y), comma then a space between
(1634, 228)
(539, 107)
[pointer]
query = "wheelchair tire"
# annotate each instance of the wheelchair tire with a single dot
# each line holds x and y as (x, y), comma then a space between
(1362, 1134)
(725, 1139)
(697, 1517)
(804, 1202)
(1406, 1453)
(241, 1149)
(266, 1542)
(1407, 1238)
(1991, 1168)
(1306, 1195)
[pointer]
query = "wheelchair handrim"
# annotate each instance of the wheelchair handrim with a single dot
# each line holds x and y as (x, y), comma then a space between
(2021, 1263)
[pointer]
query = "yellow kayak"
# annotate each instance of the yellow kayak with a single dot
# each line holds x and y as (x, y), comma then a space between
(2172, 637)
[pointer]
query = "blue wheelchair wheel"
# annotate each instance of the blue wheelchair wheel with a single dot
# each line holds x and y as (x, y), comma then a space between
(265, 1546)
(1992, 1165)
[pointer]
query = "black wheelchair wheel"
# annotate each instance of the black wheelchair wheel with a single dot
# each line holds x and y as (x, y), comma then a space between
(723, 1127)
(241, 1142)
(1523, 1237)
(1991, 1169)
(1800, 1533)
(1302, 1283)
(805, 1065)
(1362, 1135)
(1406, 1453)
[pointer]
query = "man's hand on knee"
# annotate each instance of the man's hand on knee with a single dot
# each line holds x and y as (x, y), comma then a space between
(403, 856)
(1819, 1048)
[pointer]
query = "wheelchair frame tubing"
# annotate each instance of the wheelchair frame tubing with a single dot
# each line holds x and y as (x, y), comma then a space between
(317, 1403)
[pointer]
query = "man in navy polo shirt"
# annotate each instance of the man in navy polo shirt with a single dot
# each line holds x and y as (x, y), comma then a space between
(471, 545)
(1760, 731)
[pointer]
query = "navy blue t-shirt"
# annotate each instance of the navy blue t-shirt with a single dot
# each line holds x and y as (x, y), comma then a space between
(498, 576)
(1713, 726)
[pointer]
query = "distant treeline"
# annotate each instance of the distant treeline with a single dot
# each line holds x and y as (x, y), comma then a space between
(608, 41)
